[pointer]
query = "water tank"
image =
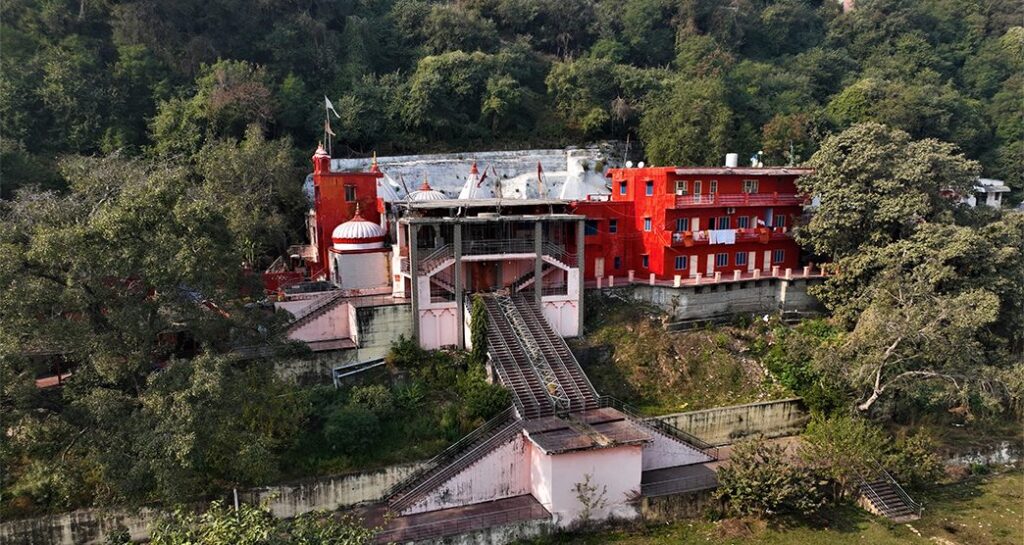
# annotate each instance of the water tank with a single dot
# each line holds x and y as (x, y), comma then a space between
(732, 160)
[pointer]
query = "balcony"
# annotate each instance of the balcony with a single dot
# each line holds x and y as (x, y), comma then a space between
(736, 200)
(761, 234)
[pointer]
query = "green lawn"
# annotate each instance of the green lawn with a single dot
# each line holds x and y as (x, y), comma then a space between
(980, 511)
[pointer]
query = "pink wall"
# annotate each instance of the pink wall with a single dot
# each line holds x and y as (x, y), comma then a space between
(615, 471)
(665, 451)
(333, 324)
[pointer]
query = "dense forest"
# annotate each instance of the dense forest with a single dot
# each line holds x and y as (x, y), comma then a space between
(687, 79)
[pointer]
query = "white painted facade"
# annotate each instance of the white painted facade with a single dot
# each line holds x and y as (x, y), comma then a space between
(334, 323)
(503, 473)
(664, 451)
(614, 471)
(357, 271)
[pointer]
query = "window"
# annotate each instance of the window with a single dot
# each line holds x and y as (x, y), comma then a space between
(696, 187)
(622, 187)
(742, 222)
(741, 258)
(750, 186)
(682, 224)
(723, 222)
(682, 187)
(721, 260)
(649, 188)
(647, 224)
(618, 262)
(778, 256)
(613, 226)
(681, 262)
(780, 221)
(590, 228)
(711, 223)
(713, 186)
(350, 193)
(645, 261)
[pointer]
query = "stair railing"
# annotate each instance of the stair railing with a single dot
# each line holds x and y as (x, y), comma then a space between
(660, 425)
(451, 453)
(916, 507)
(535, 354)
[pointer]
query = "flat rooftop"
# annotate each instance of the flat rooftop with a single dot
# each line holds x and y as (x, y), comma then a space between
(589, 430)
(480, 203)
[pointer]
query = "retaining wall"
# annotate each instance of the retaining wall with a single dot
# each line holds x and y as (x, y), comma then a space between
(725, 299)
(724, 425)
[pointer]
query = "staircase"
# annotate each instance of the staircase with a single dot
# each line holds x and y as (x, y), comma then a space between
(660, 426)
(322, 305)
(513, 366)
(882, 495)
(453, 460)
(527, 279)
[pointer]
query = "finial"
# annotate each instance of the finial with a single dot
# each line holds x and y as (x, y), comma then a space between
(373, 163)
(356, 214)
(473, 169)
(425, 186)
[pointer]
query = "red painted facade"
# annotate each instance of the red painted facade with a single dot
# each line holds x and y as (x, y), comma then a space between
(657, 220)
(335, 197)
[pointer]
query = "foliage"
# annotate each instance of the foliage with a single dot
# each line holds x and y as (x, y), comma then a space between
(687, 123)
(352, 430)
(792, 356)
(914, 460)
(253, 525)
(478, 332)
(761, 480)
(842, 448)
(590, 497)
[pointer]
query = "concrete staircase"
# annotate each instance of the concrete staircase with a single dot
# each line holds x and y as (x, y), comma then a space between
(881, 495)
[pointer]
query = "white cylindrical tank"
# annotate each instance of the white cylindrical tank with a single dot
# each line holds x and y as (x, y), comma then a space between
(732, 160)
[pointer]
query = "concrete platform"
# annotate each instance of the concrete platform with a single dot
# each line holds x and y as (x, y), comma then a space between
(677, 480)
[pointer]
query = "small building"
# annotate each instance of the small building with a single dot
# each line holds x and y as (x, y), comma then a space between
(987, 191)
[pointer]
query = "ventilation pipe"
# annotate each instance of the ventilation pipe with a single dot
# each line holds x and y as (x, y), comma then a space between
(732, 160)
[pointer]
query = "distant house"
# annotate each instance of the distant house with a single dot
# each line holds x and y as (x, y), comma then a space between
(987, 191)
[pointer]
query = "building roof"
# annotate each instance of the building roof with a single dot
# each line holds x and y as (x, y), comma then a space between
(427, 193)
(484, 203)
(595, 429)
(358, 229)
(743, 171)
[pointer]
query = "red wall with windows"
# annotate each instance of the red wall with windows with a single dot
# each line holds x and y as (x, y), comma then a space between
(647, 202)
(335, 195)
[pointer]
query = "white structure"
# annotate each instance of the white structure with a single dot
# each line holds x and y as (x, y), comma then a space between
(990, 190)
(359, 260)
(475, 186)
(426, 193)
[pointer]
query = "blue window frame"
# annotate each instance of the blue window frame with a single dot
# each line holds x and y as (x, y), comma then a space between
(743, 222)
(721, 260)
(647, 224)
(590, 228)
(681, 264)
(723, 222)
(622, 187)
(682, 224)
(741, 258)
(645, 261)
(780, 220)
(649, 188)
(613, 226)
(778, 256)
(618, 262)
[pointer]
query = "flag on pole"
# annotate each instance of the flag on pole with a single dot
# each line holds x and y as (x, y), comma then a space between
(327, 127)
(330, 107)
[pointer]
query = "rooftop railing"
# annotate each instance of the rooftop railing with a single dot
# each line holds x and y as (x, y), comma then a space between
(742, 199)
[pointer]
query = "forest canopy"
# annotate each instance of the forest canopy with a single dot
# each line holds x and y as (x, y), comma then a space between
(168, 78)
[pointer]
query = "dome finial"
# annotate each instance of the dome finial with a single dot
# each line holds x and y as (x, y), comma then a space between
(356, 213)
(373, 163)
(473, 169)
(425, 186)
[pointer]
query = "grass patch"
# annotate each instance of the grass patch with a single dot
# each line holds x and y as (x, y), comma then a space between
(979, 511)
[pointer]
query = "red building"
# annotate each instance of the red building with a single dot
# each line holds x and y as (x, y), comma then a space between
(692, 221)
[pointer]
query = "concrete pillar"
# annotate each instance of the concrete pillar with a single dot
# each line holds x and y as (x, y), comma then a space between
(757, 274)
(632, 273)
(579, 263)
(677, 281)
(652, 279)
(807, 270)
(599, 281)
(789, 273)
(611, 281)
(696, 279)
(414, 272)
(736, 274)
(775, 270)
(718, 276)
(460, 312)
(538, 262)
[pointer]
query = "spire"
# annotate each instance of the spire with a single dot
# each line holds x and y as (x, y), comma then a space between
(373, 163)
(320, 151)
(355, 214)
(425, 186)
(473, 169)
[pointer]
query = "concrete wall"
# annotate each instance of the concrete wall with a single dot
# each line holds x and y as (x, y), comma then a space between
(496, 535)
(375, 328)
(503, 473)
(614, 471)
(676, 506)
(332, 324)
(360, 271)
(562, 313)
(665, 451)
(729, 298)
(725, 425)
(90, 526)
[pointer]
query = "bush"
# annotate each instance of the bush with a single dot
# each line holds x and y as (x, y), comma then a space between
(761, 481)
(352, 430)
(374, 397)
(913, 460)
(481, 400)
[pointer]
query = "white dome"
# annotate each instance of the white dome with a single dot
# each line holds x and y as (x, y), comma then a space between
(358, 234)
(426, 193)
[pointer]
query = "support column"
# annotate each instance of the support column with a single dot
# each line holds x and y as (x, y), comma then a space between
(414, 273)
(581, 263)
(460, 310)
(538, 262)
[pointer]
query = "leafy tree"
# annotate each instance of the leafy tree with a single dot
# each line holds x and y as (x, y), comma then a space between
(761, 480)
(478, 332)
(875, 185)
(841, 448)
(687, 123)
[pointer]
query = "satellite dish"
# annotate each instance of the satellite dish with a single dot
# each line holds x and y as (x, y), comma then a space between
(629, 164)
(640, 164)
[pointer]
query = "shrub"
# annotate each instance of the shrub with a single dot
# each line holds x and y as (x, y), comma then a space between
(760, 481)
(841, 448)
(375, 397)
(481, 400)
(352, 430)
(913, 460)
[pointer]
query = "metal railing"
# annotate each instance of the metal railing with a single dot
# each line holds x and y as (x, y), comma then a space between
(742, 199)
(561, 254)
(497, 246)
(436, 257)
(538, 359)
(450, 455)
(913, 505)
(680, 485)
(659, 425)
(460, 525)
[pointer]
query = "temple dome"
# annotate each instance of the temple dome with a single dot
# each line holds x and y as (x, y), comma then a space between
(358, 233)
(426, 193)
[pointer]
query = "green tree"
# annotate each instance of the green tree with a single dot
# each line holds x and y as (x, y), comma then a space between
(761, 480)
(876, 184)
(689, 122)
(841, 448)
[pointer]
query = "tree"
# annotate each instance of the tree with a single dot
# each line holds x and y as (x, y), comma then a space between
(478, 332)
(842, 448)
(876, 185)
(687, 123)
(762, 480)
